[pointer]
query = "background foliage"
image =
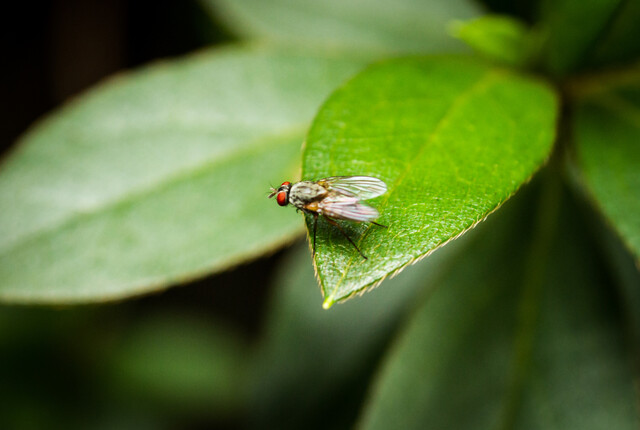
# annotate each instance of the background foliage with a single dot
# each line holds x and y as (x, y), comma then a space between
(524, 114)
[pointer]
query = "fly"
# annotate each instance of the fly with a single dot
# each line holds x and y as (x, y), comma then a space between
(335, 198)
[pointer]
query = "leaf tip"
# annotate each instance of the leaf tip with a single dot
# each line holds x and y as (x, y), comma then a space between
(328, 302)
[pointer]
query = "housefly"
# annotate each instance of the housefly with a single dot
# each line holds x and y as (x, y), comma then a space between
(335, 198)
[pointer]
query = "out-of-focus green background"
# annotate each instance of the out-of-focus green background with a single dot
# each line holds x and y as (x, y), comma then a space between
(186, 357)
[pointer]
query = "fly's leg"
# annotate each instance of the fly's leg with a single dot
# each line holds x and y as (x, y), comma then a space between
(335, 224)
(379, 225)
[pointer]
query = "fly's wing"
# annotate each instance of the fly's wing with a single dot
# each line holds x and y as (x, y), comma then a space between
(348, 208)
(360, 187)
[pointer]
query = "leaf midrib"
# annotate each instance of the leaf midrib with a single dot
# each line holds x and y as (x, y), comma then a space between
(76, 217)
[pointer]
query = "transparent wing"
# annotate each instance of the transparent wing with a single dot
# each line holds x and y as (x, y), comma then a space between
(361, 187)
(348, 208)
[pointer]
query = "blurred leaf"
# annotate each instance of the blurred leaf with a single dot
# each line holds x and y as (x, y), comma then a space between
(622, 265)
(453, 138)
(499, 38)
(515, 337)
(607, 144)
(627, 276)
(620, 44)
(312, 361)
(178, 365)
(359, 25)
(572, 29)
(158, 176)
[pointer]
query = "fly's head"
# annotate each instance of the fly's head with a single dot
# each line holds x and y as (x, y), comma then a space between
(281, 193)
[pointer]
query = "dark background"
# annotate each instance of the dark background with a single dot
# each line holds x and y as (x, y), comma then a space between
(55, 49)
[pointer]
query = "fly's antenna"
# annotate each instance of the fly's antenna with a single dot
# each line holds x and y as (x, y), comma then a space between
(273, 192)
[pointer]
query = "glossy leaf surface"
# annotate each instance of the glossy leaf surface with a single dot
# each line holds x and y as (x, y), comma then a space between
(452, 138)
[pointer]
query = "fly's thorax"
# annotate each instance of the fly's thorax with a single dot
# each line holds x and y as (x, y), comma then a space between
(305, 192)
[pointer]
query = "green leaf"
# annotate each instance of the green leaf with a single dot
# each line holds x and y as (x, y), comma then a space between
(499, 38)
(626, 273)
(332, 352)
(358, 25)
(573, 29)
(515, 337)
(607, 135)
(452, 138)
(158, 176)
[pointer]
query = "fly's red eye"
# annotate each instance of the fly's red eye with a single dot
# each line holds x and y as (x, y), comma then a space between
(286, 183)
(281, 198)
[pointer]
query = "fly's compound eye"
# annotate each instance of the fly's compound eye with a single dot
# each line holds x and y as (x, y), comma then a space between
(285, 183)
(281, 198)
